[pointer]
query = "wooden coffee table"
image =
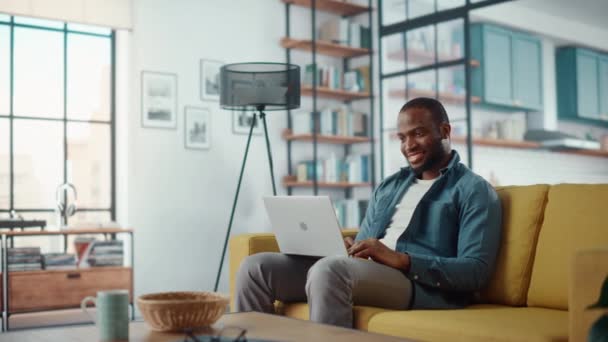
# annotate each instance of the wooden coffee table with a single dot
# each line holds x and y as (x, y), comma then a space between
(258, 325)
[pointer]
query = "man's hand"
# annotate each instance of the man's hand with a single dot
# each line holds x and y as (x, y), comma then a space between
(373, 248)
(348, 242)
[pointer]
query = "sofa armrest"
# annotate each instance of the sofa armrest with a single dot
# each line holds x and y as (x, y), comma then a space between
(244, 245)
(588, 270)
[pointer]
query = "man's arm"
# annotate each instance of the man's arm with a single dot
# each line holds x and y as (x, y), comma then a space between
(478, 242)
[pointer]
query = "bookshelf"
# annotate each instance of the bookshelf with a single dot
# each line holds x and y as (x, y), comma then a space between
(63, 288)
(351, 94)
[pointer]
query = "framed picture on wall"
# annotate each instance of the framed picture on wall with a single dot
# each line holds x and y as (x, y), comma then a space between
(210, 79)
(197, 128)
(158, 100)
(241, 122)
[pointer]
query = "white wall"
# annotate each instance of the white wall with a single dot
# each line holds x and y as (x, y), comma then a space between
(179, 200)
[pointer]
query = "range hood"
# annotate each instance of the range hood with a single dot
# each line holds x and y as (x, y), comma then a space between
(559, 140)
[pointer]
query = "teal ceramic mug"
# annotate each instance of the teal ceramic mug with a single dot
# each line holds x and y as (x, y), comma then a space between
(112, 319)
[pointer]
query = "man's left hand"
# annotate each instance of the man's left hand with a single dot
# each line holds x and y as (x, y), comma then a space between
(377, 251)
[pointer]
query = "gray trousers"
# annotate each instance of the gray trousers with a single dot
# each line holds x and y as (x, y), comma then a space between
(331, 285)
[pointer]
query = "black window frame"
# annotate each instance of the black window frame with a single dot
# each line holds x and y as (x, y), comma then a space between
(65, 120)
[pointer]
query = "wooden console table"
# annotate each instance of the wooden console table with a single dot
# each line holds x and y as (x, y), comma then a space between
(34, 291)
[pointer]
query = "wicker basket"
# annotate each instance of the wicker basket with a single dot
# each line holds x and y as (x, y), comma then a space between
(176, 311)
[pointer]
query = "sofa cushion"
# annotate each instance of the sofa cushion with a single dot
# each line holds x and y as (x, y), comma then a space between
(362, 314)
(522, 214)
(476, 323)
(576, 218)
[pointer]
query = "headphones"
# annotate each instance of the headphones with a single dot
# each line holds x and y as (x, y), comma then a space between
(70, 210)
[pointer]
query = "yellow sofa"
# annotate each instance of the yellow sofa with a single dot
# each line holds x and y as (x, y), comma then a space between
(552, 261)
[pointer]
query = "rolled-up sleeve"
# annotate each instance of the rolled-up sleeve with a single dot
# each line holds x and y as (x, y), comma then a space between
(478, 240)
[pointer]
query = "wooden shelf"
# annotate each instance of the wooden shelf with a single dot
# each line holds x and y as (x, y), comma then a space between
(530, 145)
(291, 181)
(443, 97)
(326, 139)
(71, 231)
(342, 8)
(419, 56)
(498, 142)
(337, 94)
(324, 48)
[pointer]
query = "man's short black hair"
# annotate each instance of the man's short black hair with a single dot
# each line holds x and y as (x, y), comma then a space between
(433, 106)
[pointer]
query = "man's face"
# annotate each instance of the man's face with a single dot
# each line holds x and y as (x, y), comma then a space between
(421, 139)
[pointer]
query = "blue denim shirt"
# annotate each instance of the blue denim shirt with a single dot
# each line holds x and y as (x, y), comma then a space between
(452, 238)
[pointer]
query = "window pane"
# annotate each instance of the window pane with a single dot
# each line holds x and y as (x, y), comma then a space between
(393, 11)
(393, 159)
(418, 8)
(394, 98)
(89, 29)
(5, 17)
(89, 75)
(4, 164)
(422, 84)
(393, 56)
(420, 47)
(38, 75)
(5, 69)
(450, 40)
(447, 4)
(452, 94)
(47, 244)
(90, 219)
(39, 22)
(89, 163)
(38, 158)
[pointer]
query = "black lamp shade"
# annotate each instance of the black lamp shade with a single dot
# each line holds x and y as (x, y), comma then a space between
(260, 86)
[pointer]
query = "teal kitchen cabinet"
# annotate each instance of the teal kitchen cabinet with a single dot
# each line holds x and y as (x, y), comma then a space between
(510, 70)
(582, 84)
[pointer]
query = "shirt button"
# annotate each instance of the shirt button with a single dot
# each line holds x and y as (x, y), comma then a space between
(415, 277)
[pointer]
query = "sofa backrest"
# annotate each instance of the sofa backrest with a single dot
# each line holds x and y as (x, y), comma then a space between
(522, 215)
(576, 218)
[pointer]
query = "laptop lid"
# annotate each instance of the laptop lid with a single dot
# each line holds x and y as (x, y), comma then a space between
(305, 225)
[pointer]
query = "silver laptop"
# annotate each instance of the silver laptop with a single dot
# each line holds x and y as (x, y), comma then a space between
(305, 225)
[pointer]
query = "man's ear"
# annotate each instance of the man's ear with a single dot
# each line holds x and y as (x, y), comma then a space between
(445, 129)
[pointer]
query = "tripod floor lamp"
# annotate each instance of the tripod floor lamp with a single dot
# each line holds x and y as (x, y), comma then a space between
(258, 87)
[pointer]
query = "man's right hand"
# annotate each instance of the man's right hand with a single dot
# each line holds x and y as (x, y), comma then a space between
(348, 242)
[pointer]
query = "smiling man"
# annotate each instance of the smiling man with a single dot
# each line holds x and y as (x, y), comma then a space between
(429, 238)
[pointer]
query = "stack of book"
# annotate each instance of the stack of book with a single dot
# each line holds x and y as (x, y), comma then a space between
(24, 259)
(340, 121)
(350, 212)
(105, 253)
(355, 80)
(58, 261)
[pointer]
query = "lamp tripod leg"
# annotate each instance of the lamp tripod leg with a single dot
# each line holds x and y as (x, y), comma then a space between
(274, 187)
(236, 196)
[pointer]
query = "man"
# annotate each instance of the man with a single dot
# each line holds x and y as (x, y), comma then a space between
(429, 238)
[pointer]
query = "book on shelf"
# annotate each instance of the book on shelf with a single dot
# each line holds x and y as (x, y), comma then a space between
(350, 212)
(24, 259)
(58, 261)
(331, 77)
(354, 168)
(341, 121)
(345, 32)
(103, 253)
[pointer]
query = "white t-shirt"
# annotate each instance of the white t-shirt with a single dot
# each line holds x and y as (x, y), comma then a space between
(404, 210)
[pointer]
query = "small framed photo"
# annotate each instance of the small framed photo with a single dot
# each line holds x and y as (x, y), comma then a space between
(158, 100)
(197, 128)
(210, 79)
(241, 122)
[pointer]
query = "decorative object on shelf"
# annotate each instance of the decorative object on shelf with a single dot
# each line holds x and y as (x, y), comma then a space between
(599, 329)
(260, 87)
(65, 208)
(197, 131)
(242, 120)
(178, 311)
(210, 79)
(158, 100)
